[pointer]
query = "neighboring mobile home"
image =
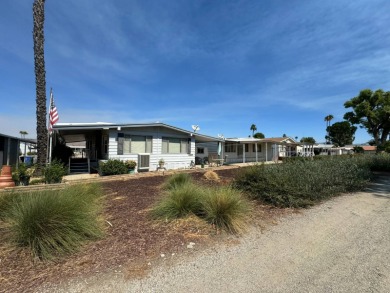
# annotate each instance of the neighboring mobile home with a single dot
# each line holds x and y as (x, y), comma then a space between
(10, 149)
(144, 143)
(245, 150)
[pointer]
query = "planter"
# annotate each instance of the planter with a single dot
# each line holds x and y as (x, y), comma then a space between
(131, 170)
(6, 177)
(24, 180)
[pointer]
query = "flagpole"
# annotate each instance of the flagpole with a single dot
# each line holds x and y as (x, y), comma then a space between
(50, 138)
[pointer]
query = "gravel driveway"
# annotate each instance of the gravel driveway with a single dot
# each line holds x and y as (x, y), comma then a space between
(342, 245)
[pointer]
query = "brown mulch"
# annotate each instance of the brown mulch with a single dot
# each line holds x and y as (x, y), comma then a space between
(131, 242)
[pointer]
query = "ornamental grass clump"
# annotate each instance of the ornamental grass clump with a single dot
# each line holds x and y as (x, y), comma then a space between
(54, 223)
(178, 201)
(177, 180)
(226, 208)
(303, 183)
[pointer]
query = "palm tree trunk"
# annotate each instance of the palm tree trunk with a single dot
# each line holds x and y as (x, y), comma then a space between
(40, 81)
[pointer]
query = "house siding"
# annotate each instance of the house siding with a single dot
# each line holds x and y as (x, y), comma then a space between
(172, 161)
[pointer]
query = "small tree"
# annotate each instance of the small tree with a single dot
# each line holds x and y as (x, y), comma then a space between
(258, 135)
(308, 140)
(341, 133)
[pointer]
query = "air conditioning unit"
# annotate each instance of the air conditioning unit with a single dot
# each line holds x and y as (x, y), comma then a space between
(143, 162)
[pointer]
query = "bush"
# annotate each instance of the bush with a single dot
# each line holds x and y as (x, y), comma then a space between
(211, 175)
(113, 167)
(303, 183)
(177, 180)
(52, 223)
(54, 172)
(130, 164)
(226, 208)
(179, 201)
(22, 174)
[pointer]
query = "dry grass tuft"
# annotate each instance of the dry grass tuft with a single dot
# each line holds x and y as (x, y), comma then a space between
(211, 175)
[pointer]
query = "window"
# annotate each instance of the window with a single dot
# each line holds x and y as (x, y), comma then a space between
(247, 148)
(171, 145)
(258, 148)
(134, 144)
(200, 150)
(230, 147)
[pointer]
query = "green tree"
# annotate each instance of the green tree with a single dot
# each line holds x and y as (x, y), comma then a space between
(253, 128)
(371, 110)
(341, 133)
(40, 82)
(308, 140)
(258, 135)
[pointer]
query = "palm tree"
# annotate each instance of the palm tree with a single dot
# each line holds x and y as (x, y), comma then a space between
(253, 128)
(40, 81)
(23, 133)
(327, 119)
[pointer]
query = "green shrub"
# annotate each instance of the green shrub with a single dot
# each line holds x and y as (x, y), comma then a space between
(130, 164)
(177, 180)
(113, 167)
(54, 172)
(179, 201)
(52, 223)
(303, 183)
(226, 208)
(379, 162)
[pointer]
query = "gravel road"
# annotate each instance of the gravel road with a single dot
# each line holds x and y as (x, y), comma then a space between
(342, 245)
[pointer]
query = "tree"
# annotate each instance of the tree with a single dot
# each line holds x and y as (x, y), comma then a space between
(40, 82)
(341, 133)
(371, 110)
(253, 128)
(284, 135)
(308, 140)
(327, 119)
(23, 133)
(258, 135)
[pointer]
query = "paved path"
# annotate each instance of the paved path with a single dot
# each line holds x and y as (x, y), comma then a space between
(342, 245)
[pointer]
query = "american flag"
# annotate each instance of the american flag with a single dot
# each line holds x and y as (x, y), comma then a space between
(53, 115)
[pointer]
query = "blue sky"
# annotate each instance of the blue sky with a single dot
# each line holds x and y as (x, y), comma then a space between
(282, 65)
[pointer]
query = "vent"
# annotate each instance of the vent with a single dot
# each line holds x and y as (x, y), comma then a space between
(143, 161)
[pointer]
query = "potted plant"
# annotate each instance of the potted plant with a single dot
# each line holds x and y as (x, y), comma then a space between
(161, 163)
(130, 164)
(23, 174)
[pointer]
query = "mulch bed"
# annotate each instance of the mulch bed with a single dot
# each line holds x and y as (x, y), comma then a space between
(132, 238)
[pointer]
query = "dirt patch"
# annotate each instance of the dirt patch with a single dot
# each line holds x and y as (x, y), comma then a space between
(131, 242)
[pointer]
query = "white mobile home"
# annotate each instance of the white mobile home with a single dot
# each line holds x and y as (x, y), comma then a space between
(244, 150)
(144, 143)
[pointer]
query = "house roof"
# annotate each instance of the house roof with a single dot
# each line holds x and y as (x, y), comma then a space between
(27, 140)
(277, 140)
(104, 125)
(369, 147)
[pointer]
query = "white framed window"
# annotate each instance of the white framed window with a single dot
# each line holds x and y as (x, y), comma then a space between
(230, 147)
(172, 145)
(200, 150)
(134, 144)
